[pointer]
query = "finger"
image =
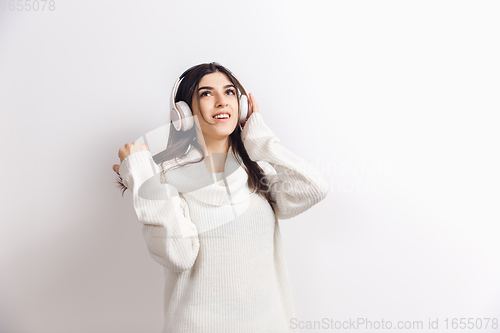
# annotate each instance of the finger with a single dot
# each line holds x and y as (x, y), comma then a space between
(116, 168)
(255, 106)
(122, 153)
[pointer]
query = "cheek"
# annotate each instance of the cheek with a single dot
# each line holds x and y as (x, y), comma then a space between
(235, 106)
(202, 108)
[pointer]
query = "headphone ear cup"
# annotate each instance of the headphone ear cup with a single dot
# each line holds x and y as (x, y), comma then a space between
(175, 118)
(186, 116)
(243, 108)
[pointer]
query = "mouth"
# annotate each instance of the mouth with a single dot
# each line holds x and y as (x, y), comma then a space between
(222, 117)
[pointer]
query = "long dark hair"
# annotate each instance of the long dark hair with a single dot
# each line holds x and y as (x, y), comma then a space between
(180, 143)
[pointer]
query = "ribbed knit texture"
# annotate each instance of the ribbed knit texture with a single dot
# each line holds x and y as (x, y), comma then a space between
(220, 243)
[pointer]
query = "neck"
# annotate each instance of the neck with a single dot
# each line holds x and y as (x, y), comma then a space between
(215, 153)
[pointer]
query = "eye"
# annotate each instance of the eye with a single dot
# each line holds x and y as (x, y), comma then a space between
(230, 91)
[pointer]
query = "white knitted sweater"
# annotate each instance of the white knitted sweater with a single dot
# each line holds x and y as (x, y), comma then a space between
(219, 243)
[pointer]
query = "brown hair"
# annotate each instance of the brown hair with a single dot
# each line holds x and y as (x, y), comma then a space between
(180, 143)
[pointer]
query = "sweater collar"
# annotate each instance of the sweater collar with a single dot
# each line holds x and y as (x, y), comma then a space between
(194, 180)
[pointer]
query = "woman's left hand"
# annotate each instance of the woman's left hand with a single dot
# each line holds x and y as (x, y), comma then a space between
(254, 107)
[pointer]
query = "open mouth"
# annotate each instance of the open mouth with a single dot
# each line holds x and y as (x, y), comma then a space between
(221, 116)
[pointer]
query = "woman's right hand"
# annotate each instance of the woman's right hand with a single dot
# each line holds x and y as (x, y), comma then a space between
(127, 150)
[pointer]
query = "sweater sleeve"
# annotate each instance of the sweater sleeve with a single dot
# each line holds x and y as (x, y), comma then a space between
(294, 184)
(171, 237)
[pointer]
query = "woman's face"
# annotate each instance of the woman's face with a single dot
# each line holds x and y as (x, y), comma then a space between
(217, 95)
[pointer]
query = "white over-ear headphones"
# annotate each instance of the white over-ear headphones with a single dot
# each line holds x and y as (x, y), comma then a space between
(181, 115)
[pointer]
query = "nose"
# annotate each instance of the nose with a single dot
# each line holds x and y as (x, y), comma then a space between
(221, 100)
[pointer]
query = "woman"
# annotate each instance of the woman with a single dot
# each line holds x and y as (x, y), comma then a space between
(213, 226)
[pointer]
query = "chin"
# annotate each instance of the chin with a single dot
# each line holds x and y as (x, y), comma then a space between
(225, 133)
(220, 132)
(228, 129)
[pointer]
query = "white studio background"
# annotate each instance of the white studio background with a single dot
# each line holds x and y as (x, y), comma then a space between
(395, 102)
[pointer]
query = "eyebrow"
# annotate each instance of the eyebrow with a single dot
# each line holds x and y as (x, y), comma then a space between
(211, 88)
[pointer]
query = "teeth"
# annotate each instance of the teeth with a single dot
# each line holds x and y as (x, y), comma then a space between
(219, 116)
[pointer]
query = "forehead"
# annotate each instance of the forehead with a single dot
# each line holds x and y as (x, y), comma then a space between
(214, 79)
